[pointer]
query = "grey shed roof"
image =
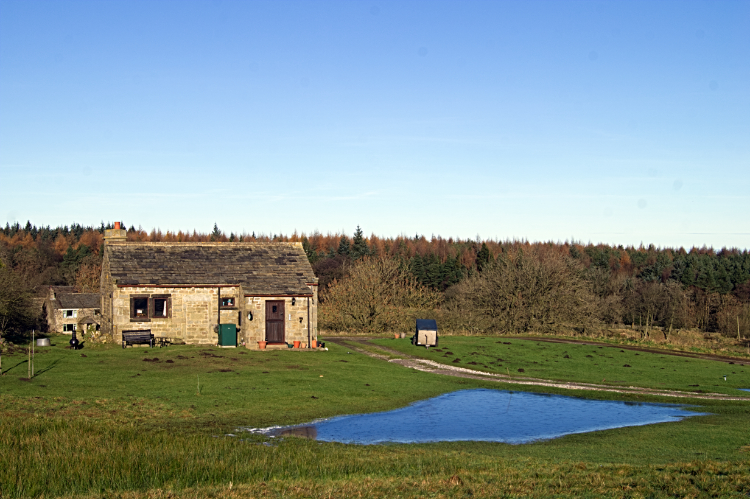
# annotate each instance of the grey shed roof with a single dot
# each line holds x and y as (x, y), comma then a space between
(261, 268)
(77, 300)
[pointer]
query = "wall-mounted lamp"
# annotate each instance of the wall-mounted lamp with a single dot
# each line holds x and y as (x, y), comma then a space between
(249, 316)
(294, 300)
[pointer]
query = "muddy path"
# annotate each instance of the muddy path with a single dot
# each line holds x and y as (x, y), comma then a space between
(366, 347)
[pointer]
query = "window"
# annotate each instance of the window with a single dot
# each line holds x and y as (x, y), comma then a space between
(227, 302)
(145, 308)
(139, 307)
(160, 307)
(70, 313)
(69, 328)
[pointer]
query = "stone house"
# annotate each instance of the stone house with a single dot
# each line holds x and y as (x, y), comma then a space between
(68, 311)
(181, 290)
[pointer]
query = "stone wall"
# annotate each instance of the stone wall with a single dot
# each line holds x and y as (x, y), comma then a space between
(56, 319)
(106, 289)
(193, 314)
(295, 318)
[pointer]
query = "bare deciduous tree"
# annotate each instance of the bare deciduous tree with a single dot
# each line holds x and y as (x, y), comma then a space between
(88, 276)
(16, 311)
(733, 317)
(528, 290)
(378, 294)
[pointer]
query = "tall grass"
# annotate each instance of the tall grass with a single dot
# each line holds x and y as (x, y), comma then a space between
(63, 457)
(51, 458)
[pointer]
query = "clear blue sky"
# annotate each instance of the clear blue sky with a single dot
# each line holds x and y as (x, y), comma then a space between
(617, 122)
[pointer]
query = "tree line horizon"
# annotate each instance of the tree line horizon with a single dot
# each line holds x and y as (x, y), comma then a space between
(710, 281)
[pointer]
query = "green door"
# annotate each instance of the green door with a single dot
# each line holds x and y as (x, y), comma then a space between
(228, 335)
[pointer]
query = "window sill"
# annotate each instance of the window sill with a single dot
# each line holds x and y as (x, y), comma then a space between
(140, 319)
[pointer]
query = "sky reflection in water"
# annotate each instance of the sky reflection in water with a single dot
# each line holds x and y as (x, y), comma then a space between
(487, 415)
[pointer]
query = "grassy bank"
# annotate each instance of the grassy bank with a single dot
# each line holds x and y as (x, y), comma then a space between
(120, 422)
(586, 363)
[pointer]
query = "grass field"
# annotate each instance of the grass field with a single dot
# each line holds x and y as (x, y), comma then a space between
(585, 363)
(105, 422)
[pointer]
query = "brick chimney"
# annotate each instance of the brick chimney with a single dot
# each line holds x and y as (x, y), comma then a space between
(115, 235)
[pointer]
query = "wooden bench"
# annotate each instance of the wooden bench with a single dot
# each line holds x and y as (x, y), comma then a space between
(137, 337)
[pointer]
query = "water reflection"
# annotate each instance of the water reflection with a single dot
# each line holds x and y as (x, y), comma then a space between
(486, 415)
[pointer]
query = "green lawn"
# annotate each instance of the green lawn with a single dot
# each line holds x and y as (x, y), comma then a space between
(104, 421)
(216, 386)
(592, 364)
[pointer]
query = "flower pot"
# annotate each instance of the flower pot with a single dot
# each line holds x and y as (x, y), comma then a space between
(396, 336)
(296, 344)
(314, 343)
(403, 335)
(304, 345)
(262, 345)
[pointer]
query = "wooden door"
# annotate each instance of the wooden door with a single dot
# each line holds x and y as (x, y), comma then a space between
(275, 321)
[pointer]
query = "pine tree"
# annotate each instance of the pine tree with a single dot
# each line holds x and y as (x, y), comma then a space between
(723, 281)
(216, 233)
(483, 257)
(706, 279)
(688, 275)
(417, 269)
(433, 271)
(359, 245)
(312, 255)
(344, 246)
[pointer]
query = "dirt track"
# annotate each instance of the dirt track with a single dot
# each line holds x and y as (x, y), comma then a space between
(366, 348)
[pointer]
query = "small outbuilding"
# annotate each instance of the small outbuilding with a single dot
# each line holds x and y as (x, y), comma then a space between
(426, 333)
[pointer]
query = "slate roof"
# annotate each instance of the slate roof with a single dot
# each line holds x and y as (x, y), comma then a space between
(77, 300)
(261, 268)
(61, 289)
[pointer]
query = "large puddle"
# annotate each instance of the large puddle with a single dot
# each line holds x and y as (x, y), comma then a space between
(485, 415)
